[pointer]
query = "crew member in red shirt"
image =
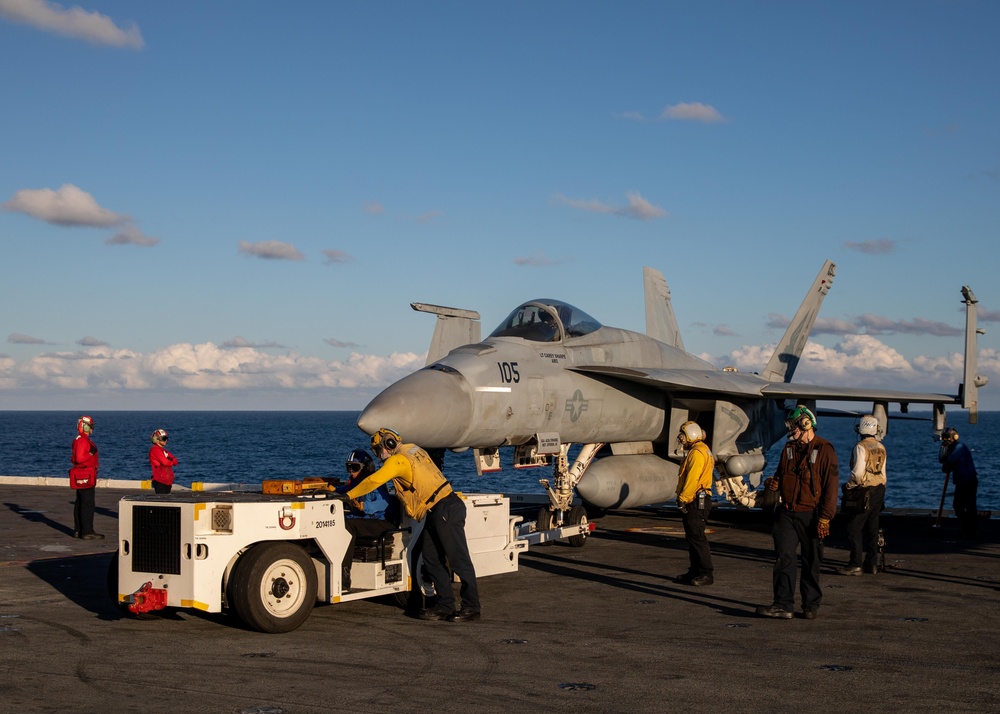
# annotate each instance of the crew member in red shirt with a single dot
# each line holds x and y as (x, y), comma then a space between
(83, 479)
(162, 461)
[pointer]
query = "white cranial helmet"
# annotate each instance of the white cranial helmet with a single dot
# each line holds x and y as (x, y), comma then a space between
(867, 426)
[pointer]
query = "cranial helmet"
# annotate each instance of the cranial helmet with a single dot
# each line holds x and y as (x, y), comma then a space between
(85, 425)
(801, 417)
(384, 439)
(691, 432)
(359, 456)
(867, 426)
(159, 435)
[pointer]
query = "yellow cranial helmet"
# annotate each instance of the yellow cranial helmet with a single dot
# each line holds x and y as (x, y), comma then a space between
(384, 440)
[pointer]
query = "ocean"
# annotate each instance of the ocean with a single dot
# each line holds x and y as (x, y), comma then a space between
(248, 447)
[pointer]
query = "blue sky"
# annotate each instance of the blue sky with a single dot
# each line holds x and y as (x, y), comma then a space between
(231, 204)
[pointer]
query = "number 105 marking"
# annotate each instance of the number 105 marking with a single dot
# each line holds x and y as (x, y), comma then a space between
(508, 372)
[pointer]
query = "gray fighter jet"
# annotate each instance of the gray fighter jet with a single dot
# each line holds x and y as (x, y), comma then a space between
(551, 378)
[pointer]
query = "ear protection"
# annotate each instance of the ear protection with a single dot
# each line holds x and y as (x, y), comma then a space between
(692, 432)
(85, 425)
(802, 417)
(385, 439)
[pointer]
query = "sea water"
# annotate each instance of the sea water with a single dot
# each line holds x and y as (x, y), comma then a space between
(248, 447)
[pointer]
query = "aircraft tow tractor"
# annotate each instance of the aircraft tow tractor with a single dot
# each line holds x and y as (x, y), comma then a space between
(270, 556)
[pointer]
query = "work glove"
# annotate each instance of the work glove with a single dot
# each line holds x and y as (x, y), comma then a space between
(682, 506)
(771, 484)
(823, 528)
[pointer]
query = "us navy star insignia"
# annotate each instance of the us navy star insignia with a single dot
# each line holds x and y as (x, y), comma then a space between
(577, 405)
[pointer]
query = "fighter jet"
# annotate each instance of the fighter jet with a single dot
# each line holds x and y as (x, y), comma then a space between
(551, 378)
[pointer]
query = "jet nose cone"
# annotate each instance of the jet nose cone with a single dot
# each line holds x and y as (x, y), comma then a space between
(430, 408)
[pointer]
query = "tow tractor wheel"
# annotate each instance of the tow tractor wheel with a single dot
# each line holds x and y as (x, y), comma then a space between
(113, 584)
(578, 516)
(273, 587)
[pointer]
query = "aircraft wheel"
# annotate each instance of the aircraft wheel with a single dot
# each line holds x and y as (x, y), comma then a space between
(545, 522)
(578, 516)
(273, 587)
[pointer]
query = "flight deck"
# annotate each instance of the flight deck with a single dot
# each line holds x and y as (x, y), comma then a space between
(602, 628)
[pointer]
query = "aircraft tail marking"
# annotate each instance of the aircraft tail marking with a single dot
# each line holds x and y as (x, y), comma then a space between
(661, 324)
(785, 358)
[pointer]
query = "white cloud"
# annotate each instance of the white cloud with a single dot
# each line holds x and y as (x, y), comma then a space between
(373, 207)
(337, 256)
(694, 111)
(73, 22)
(68, 206)
(333, 342)
(883, 246)
(638, 207)
(271, 250)
(131, 235)
(865, 361)
(871, 325)
(535, 260)
(18, 339)
(428, 216)
(242, 342)
(201, 367)
(89, 341)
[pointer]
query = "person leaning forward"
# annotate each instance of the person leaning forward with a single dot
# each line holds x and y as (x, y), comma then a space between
(425, 494)
(806, 478)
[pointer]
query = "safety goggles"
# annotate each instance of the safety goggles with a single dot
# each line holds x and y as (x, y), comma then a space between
(353, 467)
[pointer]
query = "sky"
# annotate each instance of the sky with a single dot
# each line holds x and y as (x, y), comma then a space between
(230, 205)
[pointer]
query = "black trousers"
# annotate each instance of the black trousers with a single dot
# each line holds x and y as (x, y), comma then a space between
(443, 540)
(699, 552)
(365, 528)
(965, 507)
(794, 530)
(83, 511)
(862, 530)
(159, 487)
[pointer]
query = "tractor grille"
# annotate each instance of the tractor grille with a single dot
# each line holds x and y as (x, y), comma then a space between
(156, 540)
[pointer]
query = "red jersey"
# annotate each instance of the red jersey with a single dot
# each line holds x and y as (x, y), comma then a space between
(163, 463)
(84, 471)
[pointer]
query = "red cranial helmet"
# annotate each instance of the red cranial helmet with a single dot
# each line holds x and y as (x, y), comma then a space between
(85, 425)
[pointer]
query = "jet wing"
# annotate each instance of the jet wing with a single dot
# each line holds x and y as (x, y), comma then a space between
(738, 384)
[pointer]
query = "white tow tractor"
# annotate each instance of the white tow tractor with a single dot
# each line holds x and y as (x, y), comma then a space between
(270, 557)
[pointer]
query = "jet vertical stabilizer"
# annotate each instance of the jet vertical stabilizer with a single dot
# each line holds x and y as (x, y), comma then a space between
(661, 324)
(972, 381)
(785, 358)
(454, 328)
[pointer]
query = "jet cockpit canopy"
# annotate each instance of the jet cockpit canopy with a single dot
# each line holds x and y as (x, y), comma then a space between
(546, 321)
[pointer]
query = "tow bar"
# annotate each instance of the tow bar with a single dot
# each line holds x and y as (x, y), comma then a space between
(147, 598)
